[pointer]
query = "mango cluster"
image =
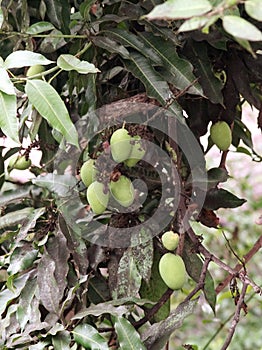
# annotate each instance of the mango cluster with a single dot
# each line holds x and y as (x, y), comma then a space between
(125, 149)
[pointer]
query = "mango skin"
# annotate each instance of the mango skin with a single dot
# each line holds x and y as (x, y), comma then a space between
(137, 152)
(96, 197)
(120, 145)
(221, 135)
(172, 270)
(36, 69)
(88, 172)
(19, 162)
(170, 240)
(123, 191)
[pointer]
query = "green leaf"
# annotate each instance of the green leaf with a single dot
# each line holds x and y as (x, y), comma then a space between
(58, 12)
(29, 223)
(179, 9)
(241, 28)
(212, 86)
(155, 85)
(8, 120)
(61, 185)
(194, 267)
(196, 23)
(131, 40)
(89, 338)
(22, 258)
(69, 62)
(15, 196)
(220, 198)
(254, 9)
(23, 58)
(39, 27)
(1, 18)
(157, 335)
(7, 295)
(15, 217)
(110, 45)
(61, 341)
(5, 83)
(127, 335)
(24, 310)
(180, 69)
(128, 277)
(154, 289)
(49, 104)
(100, 309)
(111, 307)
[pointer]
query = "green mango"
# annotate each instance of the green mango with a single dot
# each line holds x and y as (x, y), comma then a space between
(123, 191)
(172, 270)
(170, 240)
(88, 172)
(137, 152)
(19, 162)
(120, 145)
(97, 198)
(221, 135)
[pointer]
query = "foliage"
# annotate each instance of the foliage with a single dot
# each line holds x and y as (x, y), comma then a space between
(66, 281)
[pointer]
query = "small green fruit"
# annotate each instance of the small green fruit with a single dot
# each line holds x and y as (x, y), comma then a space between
(221, 135)
(36, 69)
(97, 198)
(172, 270)
(120, 145)
(137, 152)
(19, 162)
(123, 191)
(170, 240)
(88, 172)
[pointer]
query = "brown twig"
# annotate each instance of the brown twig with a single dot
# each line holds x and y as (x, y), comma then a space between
(154, 309)
(201, 282)
(236, 317)
(239, 266)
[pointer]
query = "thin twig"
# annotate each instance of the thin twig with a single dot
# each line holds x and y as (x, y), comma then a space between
(154, 309)
(201, 283)
(236, 317)
(238, 267)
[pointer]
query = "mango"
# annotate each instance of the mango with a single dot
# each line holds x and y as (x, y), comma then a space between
(88, 172)
(170, 240)
(120, 145)
(97, 198)
(123, 191)
(19, 162)
(172, 270)
(221, 135)
(137, 152)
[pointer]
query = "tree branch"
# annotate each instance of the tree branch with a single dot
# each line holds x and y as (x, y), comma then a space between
(236, 317)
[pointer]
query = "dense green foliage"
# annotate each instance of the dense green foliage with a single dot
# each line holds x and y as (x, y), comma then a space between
(71, 279)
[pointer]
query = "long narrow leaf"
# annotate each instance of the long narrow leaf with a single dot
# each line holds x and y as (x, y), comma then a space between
(127, 335)
(8, 120)
(180, 69)
(50, 105)
(156, 87)
(23, 58)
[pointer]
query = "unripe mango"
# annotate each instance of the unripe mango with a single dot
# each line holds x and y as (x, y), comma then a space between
(137, 152)
(172, 270)
(123, 191)
(88, 172)
(97, 198)
(170, 240)
(120, 145)
(19, 162)
(221, 135)
(36, 69)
